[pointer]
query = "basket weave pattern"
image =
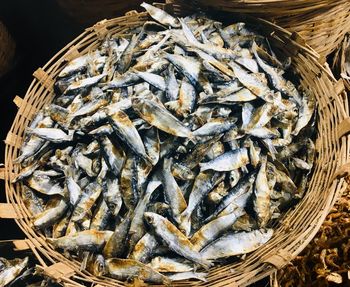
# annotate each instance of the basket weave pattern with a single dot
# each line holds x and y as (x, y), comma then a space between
(297, 227)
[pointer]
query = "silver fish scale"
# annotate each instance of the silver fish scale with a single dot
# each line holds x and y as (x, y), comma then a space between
(186, 139)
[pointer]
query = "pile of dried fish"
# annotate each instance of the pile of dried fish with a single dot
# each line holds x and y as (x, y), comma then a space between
(326, 260)
(20, 272)
(11, 269)
(169, 150)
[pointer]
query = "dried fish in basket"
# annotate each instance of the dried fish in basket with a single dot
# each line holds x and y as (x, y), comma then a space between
(169, 137)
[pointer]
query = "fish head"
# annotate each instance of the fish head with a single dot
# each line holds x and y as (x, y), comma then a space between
(112, 206)
(99, 266)
(137, 101)
(150, 218)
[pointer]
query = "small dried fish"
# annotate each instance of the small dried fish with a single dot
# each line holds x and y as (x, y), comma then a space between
(188, 275)
(161, 16)
(124, 269)
(174, 238)
(144, 248)
(262, 195)
(172, 192)
(215, 127)
(90, 240)
(128, 133)
(10, 269)
(171, 265)
(203, 184)
(213, 229)
(115, 244)
(53, 212)
(158, 116)
(231, 160)
(237, 243)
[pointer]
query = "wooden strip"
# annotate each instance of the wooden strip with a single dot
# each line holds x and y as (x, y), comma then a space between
(7, 211)
(339, 86)
(72, 53)
(44, 78)
(322, 59)
(100, 29)
(2, 173)
(343, 171)
(59, 270)
(297, 38)
(18, 101)
(280, 259)
(25, 109)
(13, 140)
(21, 244)
(343, 128)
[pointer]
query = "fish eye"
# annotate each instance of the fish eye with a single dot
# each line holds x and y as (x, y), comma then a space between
(149, 218)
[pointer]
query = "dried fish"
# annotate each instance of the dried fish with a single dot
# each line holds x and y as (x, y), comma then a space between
(236, 243)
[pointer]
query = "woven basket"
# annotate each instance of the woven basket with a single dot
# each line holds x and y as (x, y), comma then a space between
(297, 227)
(7, 50)
(322, 23)
(88, 12)
(341, 56)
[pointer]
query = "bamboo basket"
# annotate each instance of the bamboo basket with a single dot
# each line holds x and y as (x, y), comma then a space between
(322, 23)
(7, 50)
(296, 228)
(341, 57)
(88, 12)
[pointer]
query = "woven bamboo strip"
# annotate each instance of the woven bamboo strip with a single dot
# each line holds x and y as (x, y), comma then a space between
(297, 227)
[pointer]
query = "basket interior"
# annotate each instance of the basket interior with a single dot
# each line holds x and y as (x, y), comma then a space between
(296, 228)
